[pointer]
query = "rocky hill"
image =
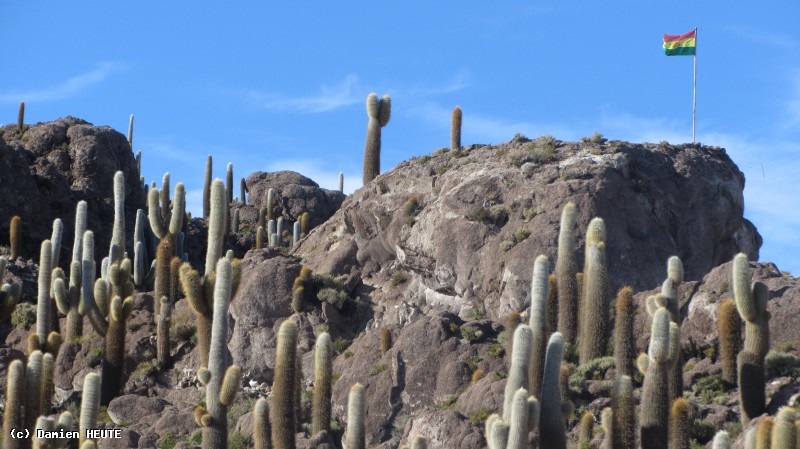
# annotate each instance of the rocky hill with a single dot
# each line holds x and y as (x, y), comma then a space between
(417, 278)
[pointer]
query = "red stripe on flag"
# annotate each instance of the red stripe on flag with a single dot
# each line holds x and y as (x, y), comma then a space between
(675, 37)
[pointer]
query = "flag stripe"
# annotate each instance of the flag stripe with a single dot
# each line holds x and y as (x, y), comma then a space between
(680, 51)
(679, 37)
(691, 42)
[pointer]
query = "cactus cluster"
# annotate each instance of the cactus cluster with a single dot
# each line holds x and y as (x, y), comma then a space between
(9, 293)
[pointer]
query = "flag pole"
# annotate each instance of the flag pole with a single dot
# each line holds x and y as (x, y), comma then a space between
(694, 87)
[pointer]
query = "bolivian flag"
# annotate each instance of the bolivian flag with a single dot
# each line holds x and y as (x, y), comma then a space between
(683, 45)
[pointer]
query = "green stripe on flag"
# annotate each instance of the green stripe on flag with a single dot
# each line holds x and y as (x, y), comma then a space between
(679, 51)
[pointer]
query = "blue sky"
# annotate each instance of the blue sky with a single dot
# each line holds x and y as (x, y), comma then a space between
(270, 87)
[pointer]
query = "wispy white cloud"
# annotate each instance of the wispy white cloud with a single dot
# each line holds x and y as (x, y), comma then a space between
(330, 98)
(168, 152)
(461, 80)
(62, 90)
(319, 171)
(793, 103)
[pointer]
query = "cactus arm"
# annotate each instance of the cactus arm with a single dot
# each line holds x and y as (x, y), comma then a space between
(154, 214)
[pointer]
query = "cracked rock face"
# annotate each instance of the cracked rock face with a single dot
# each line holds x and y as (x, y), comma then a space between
(480, 220)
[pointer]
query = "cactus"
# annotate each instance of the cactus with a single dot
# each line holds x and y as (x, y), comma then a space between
(21, 117)
(270, 232)
(623, 432)
(270, 201)
(537, 323)
(323, 370)
(655, 393)
(216, 225)
(784, 432)
(722, 441)
(680, 424)
(295, 233)
(356, 407)
(763, 433)
(298, 389)
(48, 387)
(130, 132)
(117, 250)
(260, 237)
(669, 293)
(166, 222)
(551, 322)
(518, 420)
(305, 224)
(595, 303)
(90, 404)
(43, 306)
(229, 183)
(283, 396)
(552, 430)
(235, 222)
(13, 416)
(207, 188)
(261, 425)
(55, 239)
(519, 371)
(730, 339)
(497, 432)
(585, 429)
(385, 340)
(379, 112)
(162, 284)
(15, 237)
(341, 182)
(243, 190)
(751, 302)
(33, 389)
(162, 332)
(566, 269)
(139, 251)
(455, 129)
(624, 347)
(419, 443)
(222, 382)
(9, 293)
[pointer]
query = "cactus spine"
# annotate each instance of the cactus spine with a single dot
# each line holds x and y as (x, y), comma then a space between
(15, 236)
(207, 188)
(537, 323)
(751, 302)
(356, 407)
(519, 371)
(623, 432)
(552, 430)
(455, 129)
(90, 404)
(283, 396)
(15, 401)
(655, 393)
(730, 339)
(624, 348)
(261, 425)
(680, 424)
(323, 370)
(379, 112)
(593, 338)
(229, 183)
(223, 380)
(566, 269)
(43, 306)
(117, 249)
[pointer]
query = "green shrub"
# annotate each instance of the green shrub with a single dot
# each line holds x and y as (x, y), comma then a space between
(779, 364)
(398, 277)
(529, 212)
(710, 389)
(341, 344)
(167, 441)
(480, 416)
(424, 159)
(145, 372)
(24, 315)
(238, 440)
(496, 351)
(378, 368)
(593, 370)
(447, 403)
(495, 216)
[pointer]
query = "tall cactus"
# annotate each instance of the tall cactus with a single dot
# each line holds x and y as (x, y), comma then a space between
(784, 431)
(207, 188)
(117, 250)
(730, 339)
(341, 182)
(323, 371)
(55, 239)
(655, 393)
(519, 422)
(260, 237)
(552, 430)
(537, 323)
(624, 347)
(15, 237)
(262, 438)
(90, 404)
(680, 424)
(21, 117)
(295, 233)
(519, 371)
(270, 203)
(455, 129)
(229, 183)
(379, 112)
(722, 441)
(356, 408)
(751, 302)
(166, 222)
(13, 416)
(33, 389)
(235, 222)
(566, 268)
(283, 396)
(669, 291)
(223, 380)
(43, 305)
(243, 190)
(305, 224)
(594, 336)
(216, 225)
(130, 132)
(623, 432)
(9, 293)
